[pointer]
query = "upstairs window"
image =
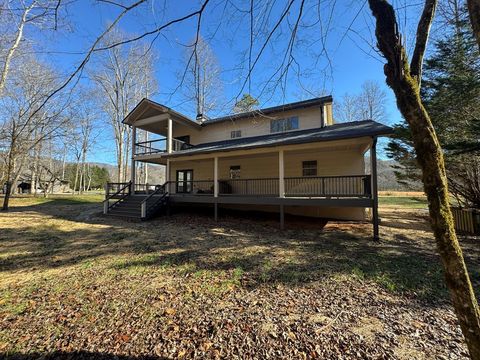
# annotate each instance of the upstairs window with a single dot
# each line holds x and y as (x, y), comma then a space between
(309, 168)
(235, 172)
(235, 134)
(282, 125)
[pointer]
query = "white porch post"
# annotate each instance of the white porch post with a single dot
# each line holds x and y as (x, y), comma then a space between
(133, 170)
(281, 187)
(215, 176)
(215, 186)
(169, 136)
(373, 164)
(281, 175)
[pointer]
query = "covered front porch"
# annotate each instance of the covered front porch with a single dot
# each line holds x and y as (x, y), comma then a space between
(329, 179)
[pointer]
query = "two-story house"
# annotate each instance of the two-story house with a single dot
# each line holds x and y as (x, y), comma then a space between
(290, 159)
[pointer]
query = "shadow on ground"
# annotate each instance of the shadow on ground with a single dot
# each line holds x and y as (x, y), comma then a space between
(404, 260)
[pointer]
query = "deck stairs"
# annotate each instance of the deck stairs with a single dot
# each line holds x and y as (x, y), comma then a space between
(130, 206)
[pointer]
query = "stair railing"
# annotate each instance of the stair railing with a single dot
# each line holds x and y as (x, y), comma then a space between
(145, 207)
(124, 192)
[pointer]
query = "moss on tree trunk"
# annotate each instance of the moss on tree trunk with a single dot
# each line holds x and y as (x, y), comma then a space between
(430, 158)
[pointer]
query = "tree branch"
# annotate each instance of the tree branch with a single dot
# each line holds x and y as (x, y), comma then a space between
(423, 31)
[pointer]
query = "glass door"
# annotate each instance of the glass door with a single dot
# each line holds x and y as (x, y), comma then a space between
(184, 181)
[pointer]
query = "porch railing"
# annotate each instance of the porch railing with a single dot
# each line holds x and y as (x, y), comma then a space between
(117, 189)
(316, 186)
(146, 188)
(329, 186)
(249, 187)
(159, 146)
(194, 187)
(116, 192)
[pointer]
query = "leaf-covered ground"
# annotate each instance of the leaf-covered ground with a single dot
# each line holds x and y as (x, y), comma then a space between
(75, 284)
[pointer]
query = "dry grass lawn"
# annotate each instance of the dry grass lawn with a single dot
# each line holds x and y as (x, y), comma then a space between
(75, 284)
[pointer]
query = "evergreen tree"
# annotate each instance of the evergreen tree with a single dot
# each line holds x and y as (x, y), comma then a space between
(451, 94)
(246, 103)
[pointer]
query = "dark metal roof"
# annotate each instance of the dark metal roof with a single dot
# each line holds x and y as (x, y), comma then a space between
(285, 107)
(349, 130)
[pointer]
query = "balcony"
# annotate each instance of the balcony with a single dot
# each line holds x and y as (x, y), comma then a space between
(159, 146)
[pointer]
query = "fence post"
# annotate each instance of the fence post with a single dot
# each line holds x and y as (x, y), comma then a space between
(105, 206)
(144, 210)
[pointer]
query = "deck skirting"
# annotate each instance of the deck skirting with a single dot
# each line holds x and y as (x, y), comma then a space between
(267, 200)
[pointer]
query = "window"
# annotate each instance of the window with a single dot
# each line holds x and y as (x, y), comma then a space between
(236, 134)
(282, 125)
(309, 168)
(235, 172)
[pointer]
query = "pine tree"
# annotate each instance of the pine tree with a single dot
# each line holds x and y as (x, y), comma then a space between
(451, 94)
(246, 103)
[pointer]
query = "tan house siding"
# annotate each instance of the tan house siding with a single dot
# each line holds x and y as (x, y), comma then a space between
(202, 169)
(329, 163)
(308, 119)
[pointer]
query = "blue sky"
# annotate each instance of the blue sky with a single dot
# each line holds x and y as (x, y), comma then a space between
(353, 61)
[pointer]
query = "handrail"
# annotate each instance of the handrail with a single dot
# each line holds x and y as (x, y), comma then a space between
(159, 190)
(148, 147)
(150, 141)
(106, 202)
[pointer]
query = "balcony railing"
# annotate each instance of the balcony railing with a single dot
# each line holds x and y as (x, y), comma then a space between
(151, 147)
(159, 146)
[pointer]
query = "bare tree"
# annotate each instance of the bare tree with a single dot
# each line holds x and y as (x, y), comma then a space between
(123, 76)
(16, 16)
(372, 100)
(369, 103)
(201, 79)
(82, 133)
(404, 78)
(347, 109)
(25, 126)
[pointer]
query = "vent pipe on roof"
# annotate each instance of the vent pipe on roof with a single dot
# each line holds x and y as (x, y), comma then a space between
(201, 118)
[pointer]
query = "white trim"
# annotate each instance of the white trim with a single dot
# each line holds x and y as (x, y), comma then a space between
(169, 136)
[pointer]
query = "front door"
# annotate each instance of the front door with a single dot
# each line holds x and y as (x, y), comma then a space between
(184, 181)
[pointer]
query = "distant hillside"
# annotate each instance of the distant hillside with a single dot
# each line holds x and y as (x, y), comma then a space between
(386, 176)
(156, 173)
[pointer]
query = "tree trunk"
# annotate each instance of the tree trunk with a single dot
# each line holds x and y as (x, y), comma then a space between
(8, 188)
(474, 12)
(430, 158)
(119, 160)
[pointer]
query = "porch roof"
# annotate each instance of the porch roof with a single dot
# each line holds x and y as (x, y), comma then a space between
(340, 131)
